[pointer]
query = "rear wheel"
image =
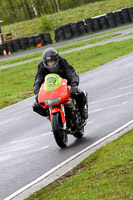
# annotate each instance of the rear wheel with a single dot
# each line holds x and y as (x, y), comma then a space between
(79, 134)
(60, 135)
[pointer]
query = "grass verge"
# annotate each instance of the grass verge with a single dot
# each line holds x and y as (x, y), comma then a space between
(92, 41)
(16, 83)
(106, 174)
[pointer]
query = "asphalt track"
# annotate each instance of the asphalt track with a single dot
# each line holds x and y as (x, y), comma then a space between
(27, 146)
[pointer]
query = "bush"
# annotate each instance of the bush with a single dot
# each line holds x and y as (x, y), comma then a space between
(45, 23)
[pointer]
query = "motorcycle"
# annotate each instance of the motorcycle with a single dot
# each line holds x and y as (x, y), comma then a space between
(64, 115)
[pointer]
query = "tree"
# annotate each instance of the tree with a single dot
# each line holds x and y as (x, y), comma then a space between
(34, 9)
(19, 11)
(28, 9)
(57, 4)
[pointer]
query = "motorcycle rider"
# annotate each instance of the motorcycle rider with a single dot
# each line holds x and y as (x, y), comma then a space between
(53, 63)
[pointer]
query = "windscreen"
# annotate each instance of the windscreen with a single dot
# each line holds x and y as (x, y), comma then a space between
(52, 82)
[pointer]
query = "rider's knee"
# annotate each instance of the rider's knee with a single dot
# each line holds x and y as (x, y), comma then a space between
(41, 111)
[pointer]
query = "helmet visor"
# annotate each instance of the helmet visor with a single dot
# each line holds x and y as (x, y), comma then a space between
(51, 64)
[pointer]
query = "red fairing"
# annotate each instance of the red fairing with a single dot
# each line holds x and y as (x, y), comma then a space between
(61, 92)
(55, 110)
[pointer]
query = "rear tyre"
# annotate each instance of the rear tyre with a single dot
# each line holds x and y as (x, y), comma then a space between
(60, 135)
(79, 134)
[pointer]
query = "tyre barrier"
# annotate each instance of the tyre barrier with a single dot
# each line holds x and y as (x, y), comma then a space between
(118, 18)
(111, 19)
(125, 15)
(74, 29)
(130, 11)
(103, 22)
(25, 42)
(81, 27)
(31, 41)
(46, 38)
(67, 31)
(9, 46)
(2, 47)
(108, 20)
(89, 25)
(37, 39)
(96, 24)
(16, 45)
(59, 34)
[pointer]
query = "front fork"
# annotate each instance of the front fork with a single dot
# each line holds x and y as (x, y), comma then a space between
(54, 110)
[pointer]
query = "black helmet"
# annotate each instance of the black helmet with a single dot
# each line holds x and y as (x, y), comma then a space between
(50, 54)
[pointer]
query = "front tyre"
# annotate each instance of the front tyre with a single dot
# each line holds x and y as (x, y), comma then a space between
(60, 135)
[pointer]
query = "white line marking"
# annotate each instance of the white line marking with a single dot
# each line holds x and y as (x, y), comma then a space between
(90, 122)
(4, 158)
(99, 109)
(121, 95)
(128, 86)
(30, 138)
(21, 154)
(15, 148)
(67, 161)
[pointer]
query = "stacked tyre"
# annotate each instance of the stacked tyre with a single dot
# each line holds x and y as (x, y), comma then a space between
(3, 47)
(24, 43)
(89, 25)
(118, 18)
(9, 45)
(67, 31)
(16, 45)
(81, 27)
(74, 29)
(31, 42)
(103, 22)
(56, 36)
(1, 52)
(96, 24)
(130, 11)
(47, 38)
(59, 34)
(125, 15)
(37, 39)
(111, 19)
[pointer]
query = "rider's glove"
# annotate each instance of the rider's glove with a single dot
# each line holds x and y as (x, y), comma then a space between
(74, 90)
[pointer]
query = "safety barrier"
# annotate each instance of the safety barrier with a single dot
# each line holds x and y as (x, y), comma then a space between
(25, 42)
(108, 20)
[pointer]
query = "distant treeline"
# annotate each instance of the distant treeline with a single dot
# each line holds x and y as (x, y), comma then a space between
(12, 11)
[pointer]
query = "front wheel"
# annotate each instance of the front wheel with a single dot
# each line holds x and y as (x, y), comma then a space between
(60, 135)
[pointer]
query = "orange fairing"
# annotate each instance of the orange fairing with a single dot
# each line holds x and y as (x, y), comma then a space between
(55, 110)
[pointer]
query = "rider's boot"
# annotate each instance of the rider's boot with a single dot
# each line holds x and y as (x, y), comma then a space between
(41, 111)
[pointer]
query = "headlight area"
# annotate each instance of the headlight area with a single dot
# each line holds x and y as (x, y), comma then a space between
(52, 101)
